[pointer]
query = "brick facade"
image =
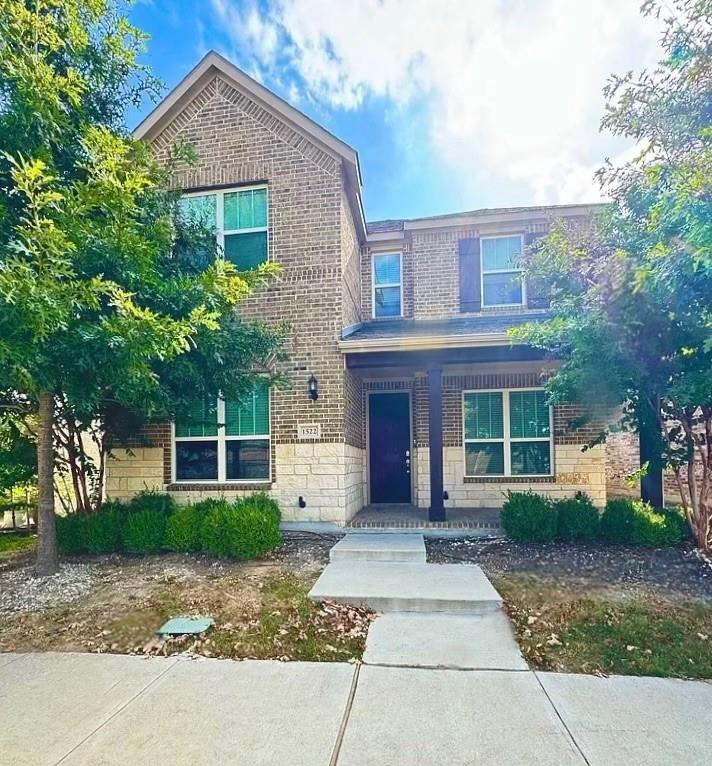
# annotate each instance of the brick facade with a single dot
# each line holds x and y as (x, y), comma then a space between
(324, 287)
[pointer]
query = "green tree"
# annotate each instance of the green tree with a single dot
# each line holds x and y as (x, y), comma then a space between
(632, 293)
(108, 306)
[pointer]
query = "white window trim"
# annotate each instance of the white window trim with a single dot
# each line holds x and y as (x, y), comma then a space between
(386, 284)
(222, 438)
(507, 440)
(502, 271)
(220, 231)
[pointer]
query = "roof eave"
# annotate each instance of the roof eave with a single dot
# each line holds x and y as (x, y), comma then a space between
(424, 343)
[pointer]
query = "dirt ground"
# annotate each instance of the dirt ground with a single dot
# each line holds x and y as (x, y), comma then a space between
(260, 608)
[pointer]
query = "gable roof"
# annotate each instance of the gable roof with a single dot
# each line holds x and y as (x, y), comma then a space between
(213, 64)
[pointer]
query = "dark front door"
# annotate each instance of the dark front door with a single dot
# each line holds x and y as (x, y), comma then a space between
(389, 446)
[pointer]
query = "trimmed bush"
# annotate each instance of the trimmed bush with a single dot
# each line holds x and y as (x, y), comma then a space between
(632, 522)
(144, 530)
(102, 531)
(577, 518)
(243, 530)
(149, 500)
(528, 517)
(617, 521)
(70, 534)
(183, 529)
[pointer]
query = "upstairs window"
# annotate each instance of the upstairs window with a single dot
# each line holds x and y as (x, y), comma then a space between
(239, 219)
(507, 433)
(223, 440)
(387, 285)
(502, 283)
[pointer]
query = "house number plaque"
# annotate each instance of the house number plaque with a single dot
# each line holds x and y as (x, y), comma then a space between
(309, 431)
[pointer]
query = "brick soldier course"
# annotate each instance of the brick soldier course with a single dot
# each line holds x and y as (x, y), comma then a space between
(245, 136)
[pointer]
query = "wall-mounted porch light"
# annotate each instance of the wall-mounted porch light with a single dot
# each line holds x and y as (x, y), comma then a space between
(313, 385)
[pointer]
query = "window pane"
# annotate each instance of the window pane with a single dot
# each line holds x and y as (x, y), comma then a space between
(199, 210)
(501, 253)
(246, 251)
(484, 458)
(202, 420)
(245, 209)
(250, 416)
(386, 269)
(387, 302)
(531, 458)
(247, 459)
(528, 414)
(502, 289)
(196, 461)
(483, 415)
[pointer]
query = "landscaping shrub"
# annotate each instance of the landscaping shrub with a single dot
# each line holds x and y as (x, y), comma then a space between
(70, 534)
(183, 528)
(144, 530)
(617, 521)
(577, 518)
(528, 517)
(633, 522)
(149, 500)
(102, 532)
(243, 530)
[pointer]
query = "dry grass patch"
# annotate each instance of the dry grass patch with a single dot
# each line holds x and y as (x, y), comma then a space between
(606, 630)
(261, 611)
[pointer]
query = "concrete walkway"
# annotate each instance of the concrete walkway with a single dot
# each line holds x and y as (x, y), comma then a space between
(106, 710)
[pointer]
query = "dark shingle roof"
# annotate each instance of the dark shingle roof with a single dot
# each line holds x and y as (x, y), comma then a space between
(425, 328)
(392, 224)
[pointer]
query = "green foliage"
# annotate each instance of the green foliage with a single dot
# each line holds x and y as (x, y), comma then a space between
(102, 532)
(528, 517)
(144, 530)
(632, 316)
(70, 534)
(243, 530)
(18, 452)
(577, 518)
(150, 500)
(183, 529)
(632, 522)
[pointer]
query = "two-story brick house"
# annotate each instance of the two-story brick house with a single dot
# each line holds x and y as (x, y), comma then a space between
(405, 386)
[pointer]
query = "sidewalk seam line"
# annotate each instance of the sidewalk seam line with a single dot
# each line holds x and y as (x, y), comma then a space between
(336, 752)
(117, 712)
(560, 717)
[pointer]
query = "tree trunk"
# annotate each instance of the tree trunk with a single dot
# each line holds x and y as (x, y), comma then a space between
(47, 559)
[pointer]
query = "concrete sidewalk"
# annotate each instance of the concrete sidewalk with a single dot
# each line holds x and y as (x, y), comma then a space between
(100, 710)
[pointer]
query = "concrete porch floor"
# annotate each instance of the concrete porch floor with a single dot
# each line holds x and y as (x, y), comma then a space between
(480, 520)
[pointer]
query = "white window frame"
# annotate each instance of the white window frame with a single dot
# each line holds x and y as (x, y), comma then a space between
(519, 271)
(507, 440)
(220, 232)
(222, 438)
(387, 284)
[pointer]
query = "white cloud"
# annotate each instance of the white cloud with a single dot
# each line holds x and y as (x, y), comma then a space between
(511, 88)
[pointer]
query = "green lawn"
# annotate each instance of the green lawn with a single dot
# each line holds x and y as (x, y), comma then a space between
(561, 628)
(16, 541)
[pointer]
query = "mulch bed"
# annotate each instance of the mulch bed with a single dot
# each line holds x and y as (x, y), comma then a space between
(675, 571)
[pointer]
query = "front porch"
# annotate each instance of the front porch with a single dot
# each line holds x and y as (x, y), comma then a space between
(479, 520)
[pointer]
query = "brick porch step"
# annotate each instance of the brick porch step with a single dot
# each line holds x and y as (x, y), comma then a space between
(387, 586)
(379, 547)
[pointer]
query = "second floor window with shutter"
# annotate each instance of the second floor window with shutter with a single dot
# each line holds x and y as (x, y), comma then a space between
(502, 282)
(387, 285)
(238, 217)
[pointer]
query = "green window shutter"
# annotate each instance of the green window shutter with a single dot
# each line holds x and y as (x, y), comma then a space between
(250, 416)
(245, 209)
(484, 416)
(199, 209)
(528, 415)
(202, 420)
(246, 251)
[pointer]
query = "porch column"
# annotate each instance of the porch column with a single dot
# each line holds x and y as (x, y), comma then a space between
(435, 441)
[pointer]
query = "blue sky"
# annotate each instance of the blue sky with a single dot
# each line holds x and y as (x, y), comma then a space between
(452, 105)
